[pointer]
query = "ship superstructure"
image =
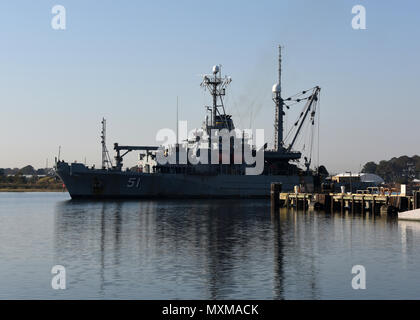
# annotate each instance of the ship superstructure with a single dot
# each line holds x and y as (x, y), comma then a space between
(189, 168)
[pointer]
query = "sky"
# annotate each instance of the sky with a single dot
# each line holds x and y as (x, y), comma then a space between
(127, 61)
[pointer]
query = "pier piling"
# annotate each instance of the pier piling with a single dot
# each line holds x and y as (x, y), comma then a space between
(416, 200)
(275, 194)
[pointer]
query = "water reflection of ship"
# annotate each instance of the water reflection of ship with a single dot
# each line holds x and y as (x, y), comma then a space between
(215, 249)
(206, 238)
(281, 220)
(208, 249)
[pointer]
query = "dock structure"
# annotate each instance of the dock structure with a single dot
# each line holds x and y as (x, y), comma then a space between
(354, 202)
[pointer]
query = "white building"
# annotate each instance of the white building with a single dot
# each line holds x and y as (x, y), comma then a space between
(359, 177)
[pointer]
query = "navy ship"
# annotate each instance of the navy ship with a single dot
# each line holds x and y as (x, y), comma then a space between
(185, 177)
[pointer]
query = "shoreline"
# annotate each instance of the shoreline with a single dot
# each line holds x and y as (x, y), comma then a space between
(6, 190)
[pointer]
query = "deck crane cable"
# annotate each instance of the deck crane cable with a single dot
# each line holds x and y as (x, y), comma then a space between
(296, 101)
(307, 139)
(301, 139)
(310, 105)
(300, 93)
(319, 120)
(294, 126)
(312, 122)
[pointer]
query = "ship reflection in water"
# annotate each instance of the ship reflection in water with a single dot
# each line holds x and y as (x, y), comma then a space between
(226, 249)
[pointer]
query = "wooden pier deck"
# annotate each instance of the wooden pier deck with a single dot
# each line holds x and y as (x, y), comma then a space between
(354, 202)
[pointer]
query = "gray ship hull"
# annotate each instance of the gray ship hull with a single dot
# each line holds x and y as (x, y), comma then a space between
(84, 183)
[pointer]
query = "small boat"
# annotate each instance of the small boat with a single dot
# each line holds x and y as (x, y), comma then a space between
(410, 215)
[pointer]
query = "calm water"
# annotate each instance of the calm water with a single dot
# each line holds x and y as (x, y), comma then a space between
(199, 250)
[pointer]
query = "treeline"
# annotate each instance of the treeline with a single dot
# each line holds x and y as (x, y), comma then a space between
(401, 170)
(27, 170)
(28, 178)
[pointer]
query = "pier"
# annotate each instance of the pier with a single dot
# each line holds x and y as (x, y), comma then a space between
(354, 202)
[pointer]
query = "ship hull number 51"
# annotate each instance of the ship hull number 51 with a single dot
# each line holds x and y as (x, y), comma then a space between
(133, 183)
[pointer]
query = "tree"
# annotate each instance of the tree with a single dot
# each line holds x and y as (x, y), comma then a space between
(323, 171)
(370, 167)
(399, 169)
(28, 170)
(41, 172)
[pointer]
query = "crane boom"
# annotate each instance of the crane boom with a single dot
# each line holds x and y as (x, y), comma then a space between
(313, 98)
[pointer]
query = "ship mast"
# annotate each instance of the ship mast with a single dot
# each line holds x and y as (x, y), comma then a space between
(106, 160)
(216, 84)
(278, 100)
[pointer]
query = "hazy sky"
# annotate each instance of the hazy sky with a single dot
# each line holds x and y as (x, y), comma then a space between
(128, 60)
